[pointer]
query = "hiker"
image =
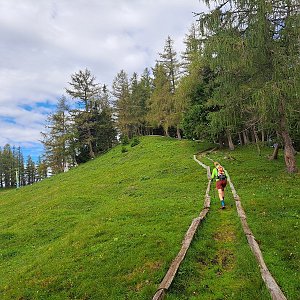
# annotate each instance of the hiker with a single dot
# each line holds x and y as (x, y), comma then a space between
(220, 176)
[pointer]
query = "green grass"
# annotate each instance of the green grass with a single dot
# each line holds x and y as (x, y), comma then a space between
(270, 198)
(219, 264)
(105, 230)
(110, 228)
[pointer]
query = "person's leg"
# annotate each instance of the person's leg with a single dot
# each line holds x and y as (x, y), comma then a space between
(220, 192)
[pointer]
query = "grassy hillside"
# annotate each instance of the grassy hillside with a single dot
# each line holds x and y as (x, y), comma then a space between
(110, 228)
(105, 230)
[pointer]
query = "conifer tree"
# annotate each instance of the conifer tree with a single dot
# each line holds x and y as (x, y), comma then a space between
(7, 159)
(253, 46)
(84, 88)
(122, 103)
(58, 138)
(168, 59)
(105, 131)
(161, 102)
(30, 170)
(145, 87)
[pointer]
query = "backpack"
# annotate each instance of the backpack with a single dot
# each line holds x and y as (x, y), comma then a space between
(221, 173)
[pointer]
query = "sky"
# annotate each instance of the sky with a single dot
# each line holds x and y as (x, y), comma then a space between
(44, 42)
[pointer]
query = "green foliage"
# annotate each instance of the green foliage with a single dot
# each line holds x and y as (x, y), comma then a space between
(125, 140)
(135, 142)
(161, 102)
(124, 149)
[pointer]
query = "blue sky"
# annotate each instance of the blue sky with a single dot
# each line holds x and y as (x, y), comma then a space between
(44, 42)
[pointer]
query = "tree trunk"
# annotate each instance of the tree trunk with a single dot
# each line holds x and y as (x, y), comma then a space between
(229, 138)
(275, 152)
(245, 136)
(256, 140)
(178, 133)
(263, 136)
(240, 139)
(92, 154)
(289, 151)
(166, 130)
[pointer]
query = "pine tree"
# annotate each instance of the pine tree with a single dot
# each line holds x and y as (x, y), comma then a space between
(122, 103)
(30, 171)
(193, 49)
(105, 131)
(84, 88)
(7, 163)
(145, 87)
(58, 139)
(168, 59)
(252, 46)
(161, 102)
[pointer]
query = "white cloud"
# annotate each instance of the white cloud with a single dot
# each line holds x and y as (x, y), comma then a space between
(43, 42)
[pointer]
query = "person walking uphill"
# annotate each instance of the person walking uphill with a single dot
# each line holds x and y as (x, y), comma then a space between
(221, 181)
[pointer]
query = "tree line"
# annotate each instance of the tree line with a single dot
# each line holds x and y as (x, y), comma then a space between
(15, 171)
(237, 82)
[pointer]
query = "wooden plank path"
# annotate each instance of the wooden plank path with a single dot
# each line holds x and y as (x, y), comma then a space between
(167, 281)
(267, 277)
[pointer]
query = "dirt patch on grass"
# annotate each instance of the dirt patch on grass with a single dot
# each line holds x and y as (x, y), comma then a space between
(148, 266)
(225, 236)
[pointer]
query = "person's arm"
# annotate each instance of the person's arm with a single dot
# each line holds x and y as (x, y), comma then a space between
(214, 174)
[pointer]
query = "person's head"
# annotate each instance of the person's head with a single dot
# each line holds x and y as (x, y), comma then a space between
(216, 164)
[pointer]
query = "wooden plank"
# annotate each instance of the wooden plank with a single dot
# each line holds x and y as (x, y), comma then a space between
(270, 282)
(166, 282)
(169, 277)
(267, 277)
(159, 295)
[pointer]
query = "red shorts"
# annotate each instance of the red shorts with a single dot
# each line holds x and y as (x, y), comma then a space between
(220, 184)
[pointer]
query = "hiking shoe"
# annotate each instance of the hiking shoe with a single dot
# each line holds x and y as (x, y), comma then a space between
(223, 207)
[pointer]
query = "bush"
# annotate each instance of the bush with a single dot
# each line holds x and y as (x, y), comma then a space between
(124, 149)
(135, 142)
(125, 140)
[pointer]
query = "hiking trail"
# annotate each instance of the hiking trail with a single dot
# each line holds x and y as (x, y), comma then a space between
(224, 258)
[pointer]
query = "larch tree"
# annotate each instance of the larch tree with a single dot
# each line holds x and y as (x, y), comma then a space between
(105, 129)
(168, 59)
(255, 46)
(84, 88)
(30, 170)
(145, 86)
(161, 102)
(57, 138)
(122, 103)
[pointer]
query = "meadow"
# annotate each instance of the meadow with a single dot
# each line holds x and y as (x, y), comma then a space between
(110, 228)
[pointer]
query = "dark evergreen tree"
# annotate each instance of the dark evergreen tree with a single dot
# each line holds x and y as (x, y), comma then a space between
(30, 171)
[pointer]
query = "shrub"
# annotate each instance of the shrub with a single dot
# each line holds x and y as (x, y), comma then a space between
(125, 140)
(135, 142)
(124, 149)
